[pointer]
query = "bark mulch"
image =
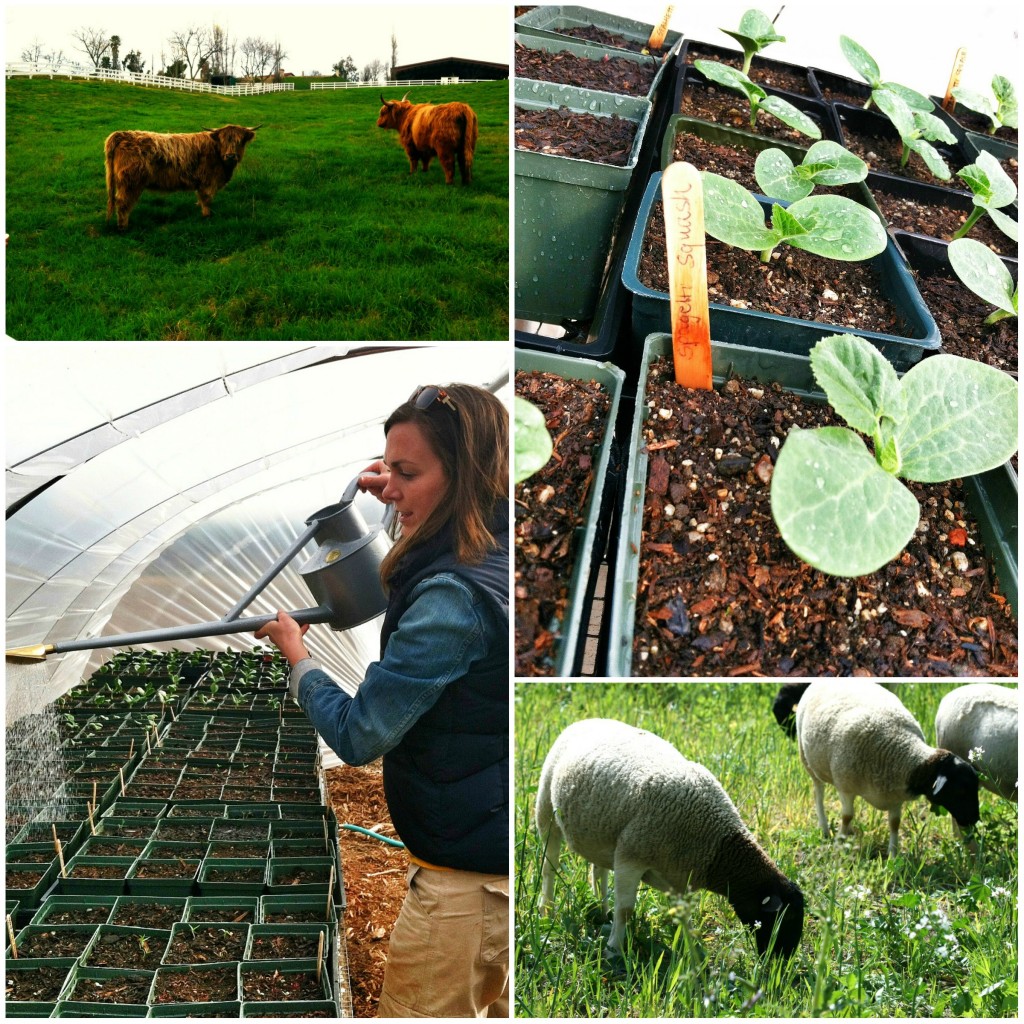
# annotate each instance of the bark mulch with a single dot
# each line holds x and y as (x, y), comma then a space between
(550, 508)
(563, 132)
(609, 74)
(719, 594)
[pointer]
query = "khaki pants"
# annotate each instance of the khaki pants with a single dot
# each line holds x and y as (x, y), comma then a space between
(448, 953)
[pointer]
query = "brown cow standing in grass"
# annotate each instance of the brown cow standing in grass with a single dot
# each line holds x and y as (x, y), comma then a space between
(447, 131)
(203, 161)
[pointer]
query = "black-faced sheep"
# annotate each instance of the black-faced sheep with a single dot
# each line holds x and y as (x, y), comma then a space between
(629, 802)
(860, 738)
(982, 716)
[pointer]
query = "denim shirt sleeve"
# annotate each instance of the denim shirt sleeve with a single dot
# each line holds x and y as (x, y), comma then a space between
(443, 631)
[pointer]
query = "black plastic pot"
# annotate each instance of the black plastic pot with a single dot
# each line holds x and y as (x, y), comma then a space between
(755, 329)
(698, 49)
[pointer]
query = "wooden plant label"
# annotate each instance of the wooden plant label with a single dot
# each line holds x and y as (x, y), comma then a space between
(683, 197)
(657, 40)
(948, 102)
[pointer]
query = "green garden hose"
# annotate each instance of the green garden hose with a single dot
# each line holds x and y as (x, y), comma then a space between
(375, 835)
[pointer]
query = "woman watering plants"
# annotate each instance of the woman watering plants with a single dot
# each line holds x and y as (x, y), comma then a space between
(435, 705)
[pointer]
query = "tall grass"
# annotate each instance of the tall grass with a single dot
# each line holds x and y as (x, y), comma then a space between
(929, 933)
(321, 233)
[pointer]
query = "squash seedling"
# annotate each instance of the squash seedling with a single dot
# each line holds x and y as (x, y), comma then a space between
(827, 164)
(533, 442)
(917, 129)
(758, 98)
(991, 188)
(841, 507)
(756, 31)
(831, 226)
(985, 274)
(1000, 108)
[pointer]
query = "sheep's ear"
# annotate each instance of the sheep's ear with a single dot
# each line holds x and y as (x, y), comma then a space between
(940, 781)
(772, 903)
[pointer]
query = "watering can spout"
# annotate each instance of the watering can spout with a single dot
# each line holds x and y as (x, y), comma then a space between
(343, 575)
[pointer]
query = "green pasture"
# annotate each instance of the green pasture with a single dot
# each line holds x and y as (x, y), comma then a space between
(322, 234)
(931, 933)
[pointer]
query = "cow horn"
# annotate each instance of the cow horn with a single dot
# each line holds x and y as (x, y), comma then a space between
(210, 129)
(384, 101)
(256, 126)
(404, 98)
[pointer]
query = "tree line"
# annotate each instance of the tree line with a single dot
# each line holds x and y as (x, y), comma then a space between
(204, 54)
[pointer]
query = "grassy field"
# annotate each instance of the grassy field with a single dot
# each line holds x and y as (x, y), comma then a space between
(930, 933)
(321, 233)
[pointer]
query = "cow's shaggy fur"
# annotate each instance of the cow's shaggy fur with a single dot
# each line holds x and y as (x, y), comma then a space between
(447, 131)
(203, 161)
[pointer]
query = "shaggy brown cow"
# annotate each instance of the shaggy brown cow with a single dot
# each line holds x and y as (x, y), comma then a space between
(203, 161)
(447, 131)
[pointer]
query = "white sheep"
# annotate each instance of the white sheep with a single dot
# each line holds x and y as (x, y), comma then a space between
(859, 737)
(629, 802)
(982, 715)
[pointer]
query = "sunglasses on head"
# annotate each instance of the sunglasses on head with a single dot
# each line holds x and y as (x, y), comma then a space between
(425, 396)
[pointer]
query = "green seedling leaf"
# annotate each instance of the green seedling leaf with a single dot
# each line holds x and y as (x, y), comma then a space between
(755, 32)
(843, 510)
(830, 226)
(758, 99)
(991, 188)
(961, 419)
(835, 507)
(1000, 108)
(860, 383)
(861, 61)
(826, 163)
(533, 442)
(791, 116)
(985, 274)
(733, 215)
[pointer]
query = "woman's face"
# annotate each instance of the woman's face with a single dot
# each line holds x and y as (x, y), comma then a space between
(418, 483)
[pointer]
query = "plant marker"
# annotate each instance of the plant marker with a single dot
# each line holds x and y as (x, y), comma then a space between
(149, 749)
(683, 197)
(60, 857)
(56, 841)
(330, 892)
(131, 748)
(14, 945)
(948, 102)
(657, 39)
(94, 791)
(120, 771)
(92, 824)
(319, 956)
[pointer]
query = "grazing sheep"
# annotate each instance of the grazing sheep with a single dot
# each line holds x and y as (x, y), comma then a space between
(860, 738)
(629, 802)
(982, 715)
(784, 706)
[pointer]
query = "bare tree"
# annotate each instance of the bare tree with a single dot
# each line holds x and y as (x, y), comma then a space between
(194, 47)
(222, 53)
(394, 55)
(375, 70)
(35, 55)
(257, 57)
(95, 42)
(278, 57)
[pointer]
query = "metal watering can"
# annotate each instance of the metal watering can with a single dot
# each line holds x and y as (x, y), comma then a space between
(343, 576)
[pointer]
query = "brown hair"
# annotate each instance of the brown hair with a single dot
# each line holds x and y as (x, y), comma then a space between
(472, 444)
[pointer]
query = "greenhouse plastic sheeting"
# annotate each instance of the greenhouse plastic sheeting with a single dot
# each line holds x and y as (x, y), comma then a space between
(157, 506)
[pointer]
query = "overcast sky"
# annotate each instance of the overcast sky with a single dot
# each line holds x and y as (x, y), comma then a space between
(314, 36)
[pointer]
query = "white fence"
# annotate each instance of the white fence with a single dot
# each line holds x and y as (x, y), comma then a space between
(36, 70)
(404, 83)
(32, 70)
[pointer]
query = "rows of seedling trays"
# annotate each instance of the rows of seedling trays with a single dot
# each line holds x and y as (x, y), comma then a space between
(195, 870)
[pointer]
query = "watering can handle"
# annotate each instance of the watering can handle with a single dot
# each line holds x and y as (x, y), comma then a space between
(349, 496)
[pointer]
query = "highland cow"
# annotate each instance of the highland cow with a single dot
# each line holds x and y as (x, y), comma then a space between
(447, 131)
(203, 161)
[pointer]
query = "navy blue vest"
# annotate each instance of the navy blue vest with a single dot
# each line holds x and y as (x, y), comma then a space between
(447, 781)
